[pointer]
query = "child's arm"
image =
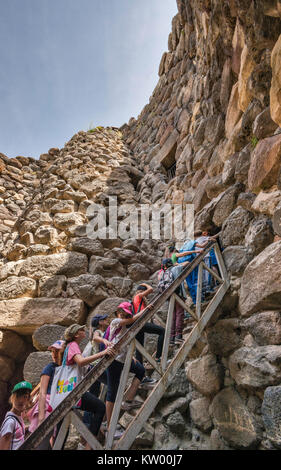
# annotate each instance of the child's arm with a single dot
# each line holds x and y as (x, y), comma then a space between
(5, 441)
(100, 340)
(146, 292)
(185, 253)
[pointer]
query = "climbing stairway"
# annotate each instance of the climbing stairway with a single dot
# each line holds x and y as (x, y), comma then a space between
(166, 369)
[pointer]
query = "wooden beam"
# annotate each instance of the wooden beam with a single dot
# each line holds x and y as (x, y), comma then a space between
(84, 431)
(120, 396)
(62, 433)
(165, 350)
(148, 357)
(184, 306)
(156, 394)
(212, 273)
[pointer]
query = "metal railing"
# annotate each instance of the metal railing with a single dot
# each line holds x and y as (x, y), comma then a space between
(167, 371)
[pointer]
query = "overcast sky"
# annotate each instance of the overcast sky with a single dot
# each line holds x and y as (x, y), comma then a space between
(67, 64)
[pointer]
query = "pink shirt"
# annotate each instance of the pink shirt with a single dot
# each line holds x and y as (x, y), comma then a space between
(12, 426)
(73, 349)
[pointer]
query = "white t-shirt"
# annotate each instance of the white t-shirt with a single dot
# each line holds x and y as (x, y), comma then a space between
(114, 325)
(11, 425)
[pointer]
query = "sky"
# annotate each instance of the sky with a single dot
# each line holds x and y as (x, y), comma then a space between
(68, 65)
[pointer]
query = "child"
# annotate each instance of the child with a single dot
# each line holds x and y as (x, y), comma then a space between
(73, 336)
(210, 259)
(140, 303)
(118, 327)
(42, 409)
(12, 431)
(178, 314)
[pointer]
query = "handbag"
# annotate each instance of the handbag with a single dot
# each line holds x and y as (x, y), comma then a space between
(65, 380)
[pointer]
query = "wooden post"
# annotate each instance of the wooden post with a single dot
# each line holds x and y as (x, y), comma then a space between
(167, 338)
(84, 431)
(62, 433)
(120, 396)
(199, 291)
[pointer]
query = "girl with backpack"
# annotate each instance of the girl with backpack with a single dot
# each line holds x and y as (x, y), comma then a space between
(41, 408)
(118, 327)
(73, 335)
(12, 431)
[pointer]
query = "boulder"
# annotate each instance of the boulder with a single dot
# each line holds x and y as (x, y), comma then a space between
(179, 404)
(266, 202)
(256, 367)
(179, 386)
(243, 162)
(236, 259)
(66, 221)
(265, 163)
(120, 285)
(265, 327)
(199, 413)
(275, 90)
(261, 282)
(235, 227)
(259, 235)
(138, 272)
(263, 125)
(88, 288)
(69, 264)
(176, 423)
(15, 287)
(52, 286)
(246, 68)
(205, 374)
(46, 335)
(34, 365)
(12, 345)
(87, 246)
(106, 267)
(226, 205)
(233, 420)
(233, 113)
(224, 336)
(271, 412)
(26, 315)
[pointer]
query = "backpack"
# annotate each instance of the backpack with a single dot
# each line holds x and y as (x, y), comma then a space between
(9, 416)
(166, 280)
(102, 346)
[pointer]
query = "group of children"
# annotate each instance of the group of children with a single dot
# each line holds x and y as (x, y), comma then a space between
(35, 406)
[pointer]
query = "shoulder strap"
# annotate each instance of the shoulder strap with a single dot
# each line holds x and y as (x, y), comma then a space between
(11, 416)
(65, 356)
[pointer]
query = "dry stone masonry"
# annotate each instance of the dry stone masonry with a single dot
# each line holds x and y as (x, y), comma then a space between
(211, 136)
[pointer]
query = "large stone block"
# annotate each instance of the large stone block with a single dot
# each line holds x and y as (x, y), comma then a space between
(106, 267)
(87, 246)
(12, 345)
(265, 163)
(15, 287)
(233, 420)
(266, 202)
(261, 282)
(224, 336)
(271, 412)
(34, 365)
(236, 259)
(26, 315)
(205, 374)
(88, 288)
(52, 286)
(199, 413)
(259, 235)
(257, 367)
(46, 335)
(275, 91)
(235, 227)
(69, 264)
(265, 327)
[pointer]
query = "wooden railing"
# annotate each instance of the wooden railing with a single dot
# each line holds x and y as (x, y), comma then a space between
(166, 371)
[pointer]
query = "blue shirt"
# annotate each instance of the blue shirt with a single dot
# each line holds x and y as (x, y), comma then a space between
(50, 371)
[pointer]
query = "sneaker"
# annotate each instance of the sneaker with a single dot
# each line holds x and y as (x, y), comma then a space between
(148, 380)
(172, 341)
(117, 435)
(179, 339)
(129, 405)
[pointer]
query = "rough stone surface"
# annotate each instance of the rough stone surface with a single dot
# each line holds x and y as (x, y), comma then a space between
(12, 345)
(205, 374)
(224, 336)
(265, 327)
(46, 335)
(34, 365)
(199, 413)
(256, 367)
(261, 285)
(265, 163)
(271, 414)
(234, 422)
(26, 315)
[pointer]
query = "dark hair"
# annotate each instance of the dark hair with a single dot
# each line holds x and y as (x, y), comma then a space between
(172, 248)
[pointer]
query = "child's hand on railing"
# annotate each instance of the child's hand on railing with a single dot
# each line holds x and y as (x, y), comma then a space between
(107, 343)
(149, 307)
(110, 352)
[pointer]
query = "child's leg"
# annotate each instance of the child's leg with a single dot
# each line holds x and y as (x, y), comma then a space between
(139, 371)
(179, 323)
(113, 378)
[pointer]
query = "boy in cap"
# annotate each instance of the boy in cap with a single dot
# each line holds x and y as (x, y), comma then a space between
(12, 431)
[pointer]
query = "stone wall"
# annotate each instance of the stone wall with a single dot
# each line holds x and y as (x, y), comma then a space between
(216, 114)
